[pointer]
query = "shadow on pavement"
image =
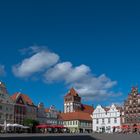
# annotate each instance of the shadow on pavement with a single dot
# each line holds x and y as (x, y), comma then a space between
(50, 138)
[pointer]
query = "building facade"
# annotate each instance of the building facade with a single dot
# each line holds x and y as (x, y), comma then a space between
(77, 122)
(131, 116)
(76, 116)
(51, 115)
(41, 114)
(107, 119)
(72, 101)
(6, 106)
(48, 116)
(24, 108)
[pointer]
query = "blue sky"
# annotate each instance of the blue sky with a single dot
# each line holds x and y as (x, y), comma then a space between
(96, 43)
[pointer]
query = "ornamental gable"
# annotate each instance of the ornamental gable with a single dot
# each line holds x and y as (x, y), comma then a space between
(99, 109)
(113, 108)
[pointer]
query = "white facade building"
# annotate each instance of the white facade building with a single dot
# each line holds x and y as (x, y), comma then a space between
(106, 120)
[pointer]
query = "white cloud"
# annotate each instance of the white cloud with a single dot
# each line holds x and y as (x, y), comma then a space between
(2, 70)
(97, 88)
(65, 71)
(78, 73)
(36, 63)
(88, 86)
(58, 72)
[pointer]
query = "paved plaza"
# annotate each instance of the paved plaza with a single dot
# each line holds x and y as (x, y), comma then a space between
(69, 137)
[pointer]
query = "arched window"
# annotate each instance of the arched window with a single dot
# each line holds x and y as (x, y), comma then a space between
(130, 102)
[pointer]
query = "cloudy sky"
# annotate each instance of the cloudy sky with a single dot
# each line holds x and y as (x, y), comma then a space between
(47, 47)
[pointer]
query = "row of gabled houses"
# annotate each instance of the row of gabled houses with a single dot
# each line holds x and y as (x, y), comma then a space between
(18, 107)
(107, 119)
(77, 117)
(114, 119)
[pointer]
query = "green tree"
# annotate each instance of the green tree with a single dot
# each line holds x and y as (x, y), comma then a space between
(31, 123)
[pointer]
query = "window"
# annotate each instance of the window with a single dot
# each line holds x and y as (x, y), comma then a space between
(103, 120)
(97, 128)
(6, 108)
(108, 128)
(108, 120)
(72, 122)
(97, 121)
(115, 120)
(130, 102)
(6, 116)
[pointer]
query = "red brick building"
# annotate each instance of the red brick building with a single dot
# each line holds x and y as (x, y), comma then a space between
(24, 108)
(131, 116)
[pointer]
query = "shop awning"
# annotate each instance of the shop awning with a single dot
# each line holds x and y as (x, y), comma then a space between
(49, 126)
(137, 126)
(43, 126)
(124, 126)
(58, 126)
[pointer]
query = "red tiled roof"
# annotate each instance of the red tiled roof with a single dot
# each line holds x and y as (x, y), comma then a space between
(24, 97)
(87, 108)
(76, 116)
(27, 99)
(14, 96)
(72, 92)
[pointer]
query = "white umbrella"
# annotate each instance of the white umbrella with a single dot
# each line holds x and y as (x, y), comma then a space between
(8, 125)
(16, 125)
(20, 125)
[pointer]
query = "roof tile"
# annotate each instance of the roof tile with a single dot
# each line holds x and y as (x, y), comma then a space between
(76, 116)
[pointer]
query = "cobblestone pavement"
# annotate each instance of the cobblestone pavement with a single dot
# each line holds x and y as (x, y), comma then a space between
(69, 137)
